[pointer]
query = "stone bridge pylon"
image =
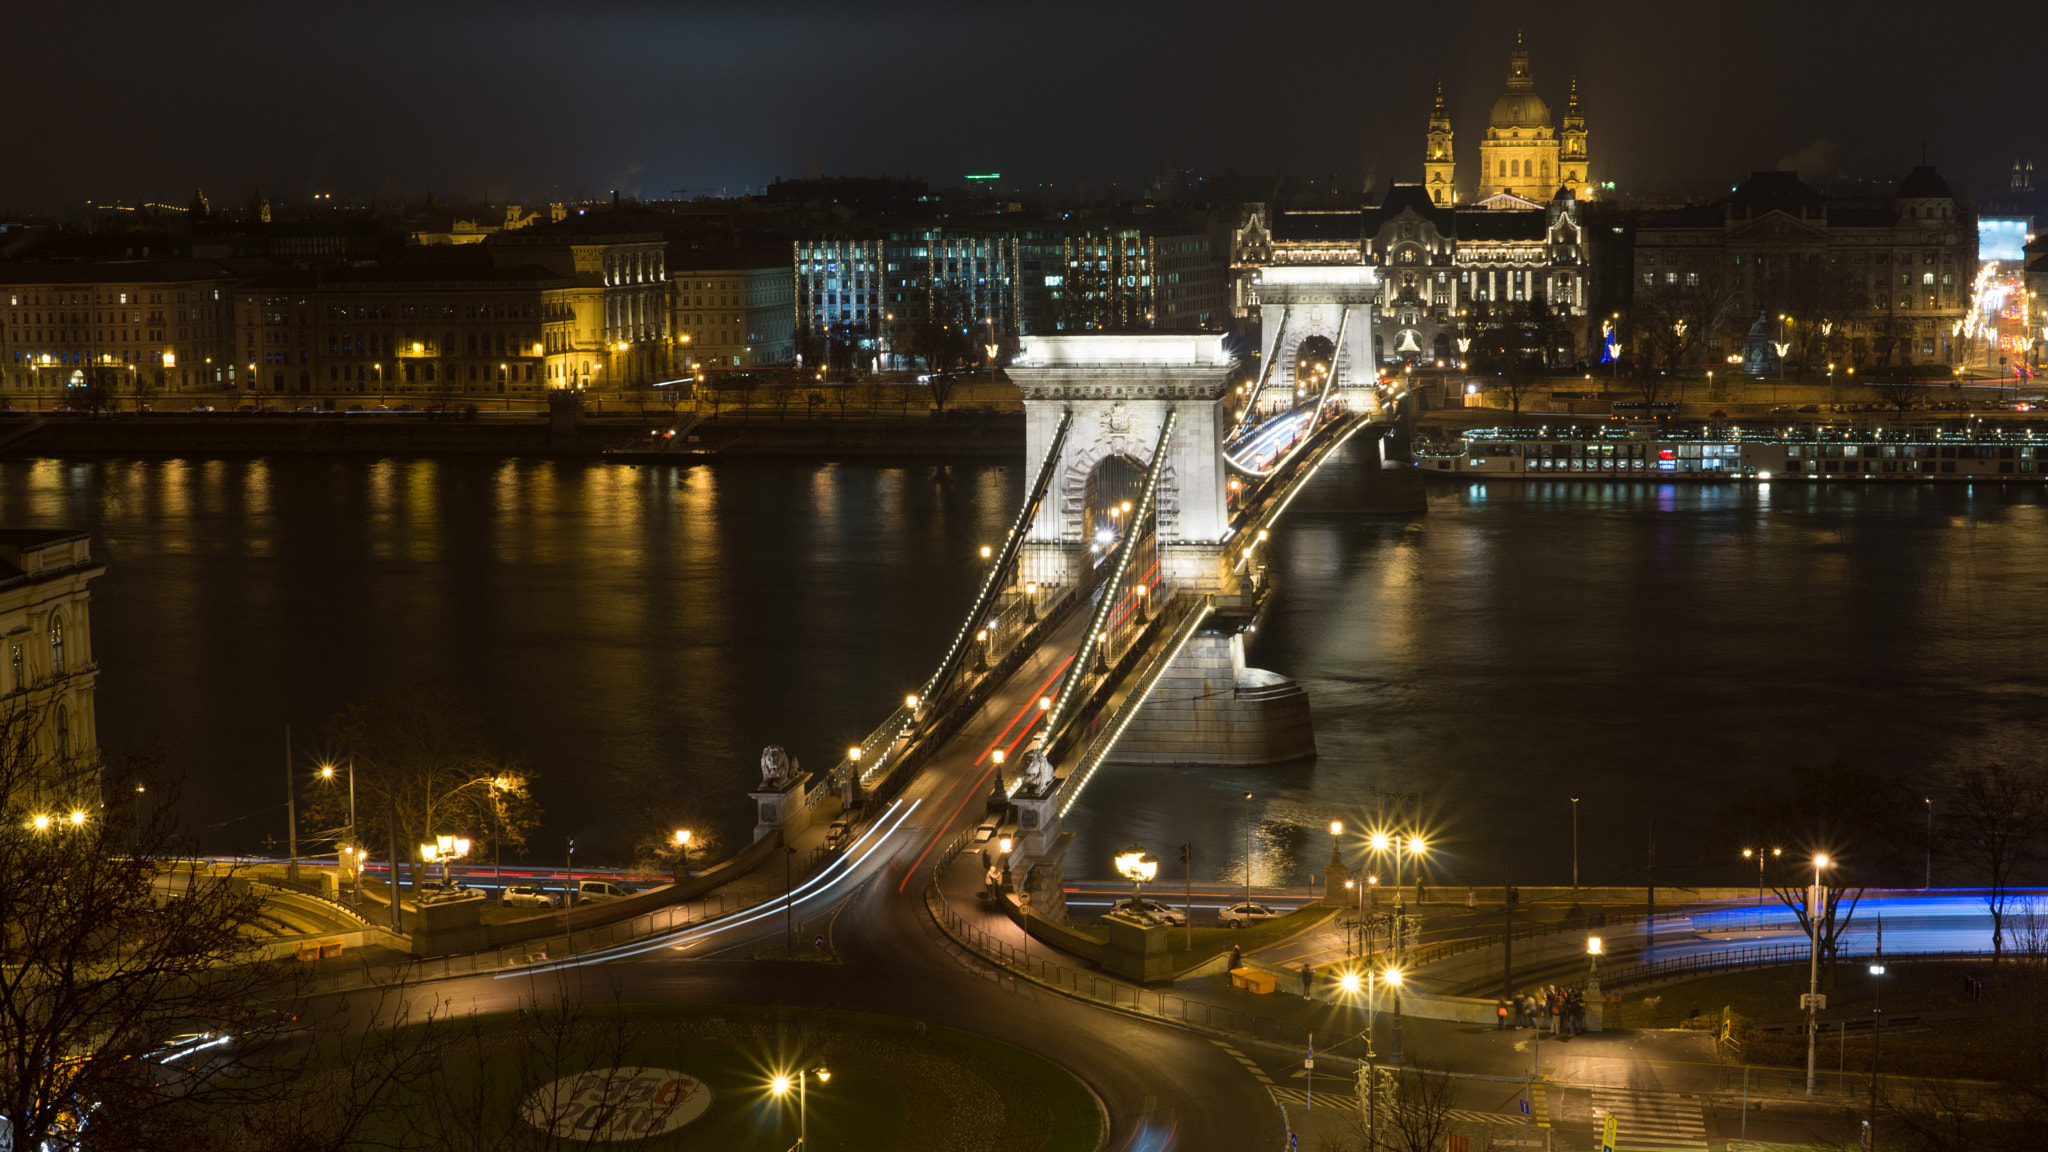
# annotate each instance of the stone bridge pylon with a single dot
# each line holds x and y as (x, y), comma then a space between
(1150, 414)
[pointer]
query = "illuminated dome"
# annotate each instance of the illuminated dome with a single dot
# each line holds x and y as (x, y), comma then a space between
(1521, 109)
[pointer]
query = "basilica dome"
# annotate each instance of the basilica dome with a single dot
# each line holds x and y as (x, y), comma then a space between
(1520, 109)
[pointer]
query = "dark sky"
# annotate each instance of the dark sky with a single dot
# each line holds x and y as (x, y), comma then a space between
(116, 99)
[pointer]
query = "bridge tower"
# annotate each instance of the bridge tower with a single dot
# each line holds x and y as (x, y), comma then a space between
(1131, 398)
(1121, 389)
(1332, 305)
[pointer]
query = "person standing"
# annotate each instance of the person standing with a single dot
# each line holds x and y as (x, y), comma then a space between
(1308, 980)
(1500, 1016)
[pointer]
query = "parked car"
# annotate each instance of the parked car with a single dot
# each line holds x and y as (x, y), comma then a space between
(445, 891)
(202, 408)
(1809, 407)
(527, 896)
(1166, 912)
(837, 836)
(1239, 915)
(592, 891)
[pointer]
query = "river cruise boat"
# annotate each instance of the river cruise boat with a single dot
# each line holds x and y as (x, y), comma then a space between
(1970, 451)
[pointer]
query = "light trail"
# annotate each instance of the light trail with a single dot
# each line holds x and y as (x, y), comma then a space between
(686, 936)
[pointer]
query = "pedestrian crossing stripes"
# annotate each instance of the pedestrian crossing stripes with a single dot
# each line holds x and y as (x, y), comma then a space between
(1539, 1104)
(1257, 1072)
(1651, 1122)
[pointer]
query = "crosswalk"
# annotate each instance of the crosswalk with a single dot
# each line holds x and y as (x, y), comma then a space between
(1651, 1122)
(1347, 1099)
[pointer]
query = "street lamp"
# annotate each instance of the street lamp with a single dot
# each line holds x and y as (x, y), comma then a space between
(780, 1086)
(1135, 865)
(1759, 854)
(327, 773)
(682, 855)
(1815, 896)
(1370, 1072)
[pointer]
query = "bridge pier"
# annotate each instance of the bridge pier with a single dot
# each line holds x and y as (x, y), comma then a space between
(1209, 708)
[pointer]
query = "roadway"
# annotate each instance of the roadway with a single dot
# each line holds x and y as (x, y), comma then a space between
(882, 953)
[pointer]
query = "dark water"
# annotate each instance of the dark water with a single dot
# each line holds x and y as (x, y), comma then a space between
(636, 636)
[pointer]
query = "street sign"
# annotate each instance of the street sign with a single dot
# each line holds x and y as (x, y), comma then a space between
(1293, 1141)
(1607, 1128)
(1525, 1105)
(818, 941)
(1819, 1001)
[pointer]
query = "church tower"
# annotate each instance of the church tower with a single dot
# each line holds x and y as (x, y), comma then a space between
(1571, 158)
(1518, 158)
(1439, 169)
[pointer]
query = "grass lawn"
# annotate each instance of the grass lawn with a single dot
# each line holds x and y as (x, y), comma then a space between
(2001, 1043)
(894, 1084)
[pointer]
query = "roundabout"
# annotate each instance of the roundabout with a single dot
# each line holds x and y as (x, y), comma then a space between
(727, 1076)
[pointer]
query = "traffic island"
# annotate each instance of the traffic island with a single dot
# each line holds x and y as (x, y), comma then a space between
(707, 1077)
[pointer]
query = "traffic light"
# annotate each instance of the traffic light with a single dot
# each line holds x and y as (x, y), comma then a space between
(1186, 853)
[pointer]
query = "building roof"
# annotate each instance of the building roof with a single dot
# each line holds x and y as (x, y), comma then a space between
(1327, 224)
(1479, 225)
(726, 259)
(1520, 110)
(1923, 183)
(1776, 191)
(113, 272)
(410, 277)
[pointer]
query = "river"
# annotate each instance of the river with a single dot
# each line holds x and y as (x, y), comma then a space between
(635, 636)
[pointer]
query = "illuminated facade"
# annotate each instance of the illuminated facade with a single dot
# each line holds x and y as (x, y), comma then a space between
(49, 672)
(126, 326)
(423, 330)
(732, 309)
(1523, 159)
(1444, 270)
(1881, 282)
(610, 327)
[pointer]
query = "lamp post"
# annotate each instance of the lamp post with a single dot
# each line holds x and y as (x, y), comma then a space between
(682, 855)
(1369, 1075)
(1247, 847)
(1876, 1034)
(1575, 839)
(781, 1084)
(1135, 865)
(327, 773)
(1816, 895)
(1758, 853)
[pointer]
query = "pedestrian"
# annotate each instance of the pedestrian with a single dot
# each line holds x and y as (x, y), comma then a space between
(1236, 957)
(1308, 980)
(1500, 1015)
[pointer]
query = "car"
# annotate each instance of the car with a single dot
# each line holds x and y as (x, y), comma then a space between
(246, 408)
(1809, 407)
(1239, 915)
(527, 896)
(355, 407)
(405, 408)
(445, 892)
(202, 408)
(593, 891)
(1155, 909)
(1781, 408)
(984, 833)
(837, 836)
(304, 408)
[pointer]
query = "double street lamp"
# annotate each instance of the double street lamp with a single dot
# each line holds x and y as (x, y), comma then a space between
(781, 1085)
(1816, 900)
(445, 849)
(1758, 853)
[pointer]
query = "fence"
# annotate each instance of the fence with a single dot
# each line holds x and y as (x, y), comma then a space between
(1755, 956)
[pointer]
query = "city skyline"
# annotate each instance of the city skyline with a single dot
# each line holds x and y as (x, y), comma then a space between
(702, 101)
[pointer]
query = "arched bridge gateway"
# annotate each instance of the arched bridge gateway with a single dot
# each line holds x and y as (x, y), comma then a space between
(1129, 575)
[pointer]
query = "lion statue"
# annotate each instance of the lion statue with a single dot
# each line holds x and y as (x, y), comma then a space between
(778, 769)
(1038, 771)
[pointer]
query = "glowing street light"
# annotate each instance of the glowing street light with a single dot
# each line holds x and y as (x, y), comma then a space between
(1816, 896)
(781, 1085)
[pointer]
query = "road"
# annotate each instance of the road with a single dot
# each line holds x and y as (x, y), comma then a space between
(1163, 1088)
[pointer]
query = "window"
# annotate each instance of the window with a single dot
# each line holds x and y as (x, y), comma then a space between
(63, 732)
(20, 672)
(56, 645)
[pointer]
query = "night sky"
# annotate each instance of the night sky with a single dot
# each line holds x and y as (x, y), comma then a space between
(542, 101)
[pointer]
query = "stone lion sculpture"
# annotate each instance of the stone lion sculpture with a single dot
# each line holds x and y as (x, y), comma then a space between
(778, 768)
(1038, 770)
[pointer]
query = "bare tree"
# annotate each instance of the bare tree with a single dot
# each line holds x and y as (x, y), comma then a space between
(1850, 815)
(1992, 825)
(423, 769)
(1900, 393)
(135, 1001)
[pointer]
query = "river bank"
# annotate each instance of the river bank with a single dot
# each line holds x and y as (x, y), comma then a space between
(978, 435)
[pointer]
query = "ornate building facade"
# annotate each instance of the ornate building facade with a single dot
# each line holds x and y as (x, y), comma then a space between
(1446, 270)
(1523, 159)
